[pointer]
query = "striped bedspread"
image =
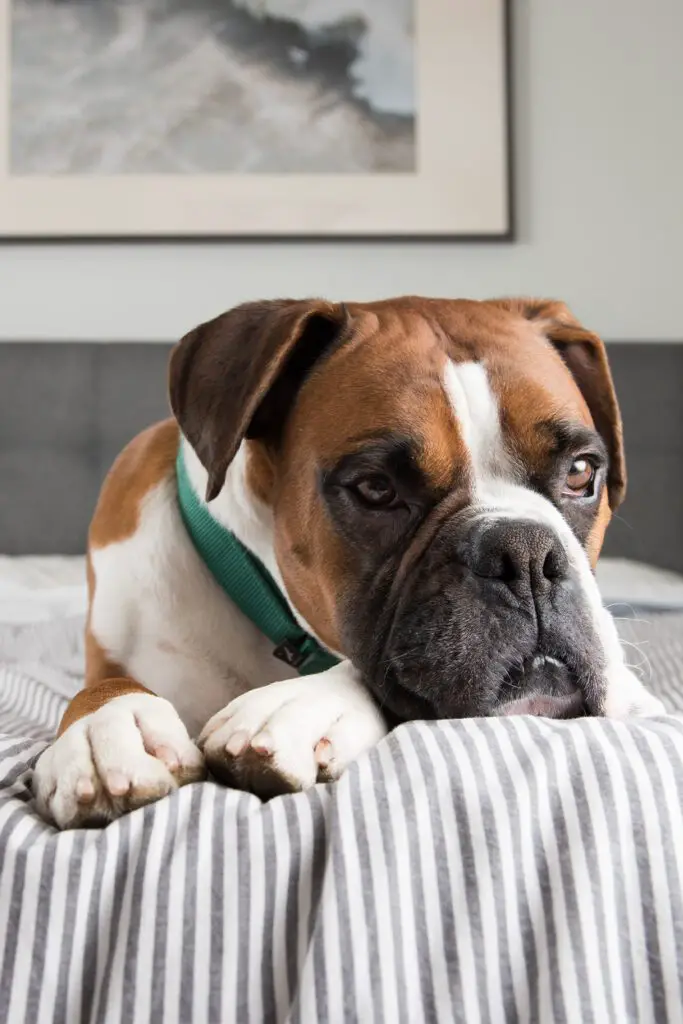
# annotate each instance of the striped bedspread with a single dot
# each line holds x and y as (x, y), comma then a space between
(493, 870)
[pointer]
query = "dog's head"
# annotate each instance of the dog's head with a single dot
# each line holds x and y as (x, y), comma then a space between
(440, 476)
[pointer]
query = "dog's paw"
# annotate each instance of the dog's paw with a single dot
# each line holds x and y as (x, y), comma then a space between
(130, 752)
(626, 696)
(289, 735)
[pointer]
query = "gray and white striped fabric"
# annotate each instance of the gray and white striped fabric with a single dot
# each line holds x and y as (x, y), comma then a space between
(494, 870)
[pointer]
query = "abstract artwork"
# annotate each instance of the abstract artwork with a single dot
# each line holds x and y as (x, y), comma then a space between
(172, 118)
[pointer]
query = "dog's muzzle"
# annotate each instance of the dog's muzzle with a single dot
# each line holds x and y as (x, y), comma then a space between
(492, 621)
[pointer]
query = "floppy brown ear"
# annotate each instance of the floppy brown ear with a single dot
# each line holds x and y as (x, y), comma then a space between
(585, 356)
(236, 376)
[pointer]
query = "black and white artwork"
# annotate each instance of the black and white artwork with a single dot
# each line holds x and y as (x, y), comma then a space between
(253, 118)
(212, 87)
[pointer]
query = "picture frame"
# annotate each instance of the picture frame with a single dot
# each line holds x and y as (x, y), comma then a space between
(457, 188)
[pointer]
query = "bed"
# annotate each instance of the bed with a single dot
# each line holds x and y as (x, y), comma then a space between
(515, 869)
(483, 870)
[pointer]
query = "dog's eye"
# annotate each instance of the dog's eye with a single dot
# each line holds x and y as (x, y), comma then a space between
(376, 490)
(580, 478)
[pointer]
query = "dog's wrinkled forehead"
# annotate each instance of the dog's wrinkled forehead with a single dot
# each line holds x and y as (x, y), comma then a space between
(474, 388)
(312, 377)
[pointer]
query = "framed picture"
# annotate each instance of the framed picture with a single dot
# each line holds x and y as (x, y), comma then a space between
(263, 118)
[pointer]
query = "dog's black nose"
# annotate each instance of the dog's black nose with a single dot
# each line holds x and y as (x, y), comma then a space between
(522, 554)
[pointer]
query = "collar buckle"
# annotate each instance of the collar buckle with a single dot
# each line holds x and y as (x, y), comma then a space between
(290, 653)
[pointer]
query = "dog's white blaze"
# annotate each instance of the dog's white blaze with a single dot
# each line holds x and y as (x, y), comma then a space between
(476, 410)
(497, 494)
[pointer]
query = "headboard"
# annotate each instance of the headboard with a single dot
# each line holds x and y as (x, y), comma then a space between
(66, 410)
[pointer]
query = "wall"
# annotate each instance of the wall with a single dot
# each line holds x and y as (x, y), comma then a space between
(599, 140)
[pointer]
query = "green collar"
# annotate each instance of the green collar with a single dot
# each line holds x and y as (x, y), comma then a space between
(248, 582)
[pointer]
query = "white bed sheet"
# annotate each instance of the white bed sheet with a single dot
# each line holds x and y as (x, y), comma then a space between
(39, 589)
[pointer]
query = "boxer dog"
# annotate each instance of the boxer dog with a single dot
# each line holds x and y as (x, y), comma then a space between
(428, 484)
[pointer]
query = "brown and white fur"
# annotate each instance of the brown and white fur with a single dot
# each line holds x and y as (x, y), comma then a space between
(266, 398)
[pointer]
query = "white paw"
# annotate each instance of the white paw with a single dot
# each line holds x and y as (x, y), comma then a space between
(130, 752)
(289, 735)
(627, 696)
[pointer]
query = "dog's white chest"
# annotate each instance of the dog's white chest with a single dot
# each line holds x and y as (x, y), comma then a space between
(158, 611)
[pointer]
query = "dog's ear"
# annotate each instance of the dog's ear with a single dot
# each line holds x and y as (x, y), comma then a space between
(585, 356)
(237, 376)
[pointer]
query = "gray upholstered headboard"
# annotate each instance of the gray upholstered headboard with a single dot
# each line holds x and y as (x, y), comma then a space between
(66, 410)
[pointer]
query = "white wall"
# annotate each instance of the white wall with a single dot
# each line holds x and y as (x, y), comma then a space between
(599, 139)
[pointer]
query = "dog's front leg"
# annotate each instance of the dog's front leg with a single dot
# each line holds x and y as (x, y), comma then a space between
(289, 735)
